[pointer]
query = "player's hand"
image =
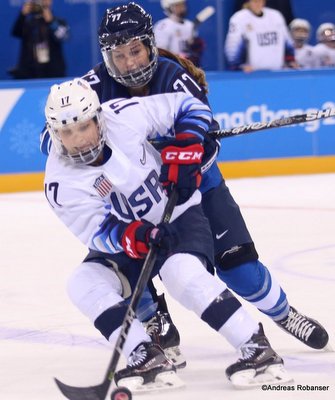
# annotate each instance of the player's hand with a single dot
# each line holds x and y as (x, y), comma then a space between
(247, 68)
(138, 235)
(182, 167)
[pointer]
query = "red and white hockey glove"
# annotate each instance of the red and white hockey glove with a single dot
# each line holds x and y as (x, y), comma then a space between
(182, 167)
(137, 236)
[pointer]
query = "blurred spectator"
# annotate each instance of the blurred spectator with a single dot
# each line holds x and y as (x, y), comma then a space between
(258, 39)
(41, 35)
(300, 30)
(178, 34)
(284, 6)
(325, 49)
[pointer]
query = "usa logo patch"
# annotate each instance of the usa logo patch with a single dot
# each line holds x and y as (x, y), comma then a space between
(102, 185)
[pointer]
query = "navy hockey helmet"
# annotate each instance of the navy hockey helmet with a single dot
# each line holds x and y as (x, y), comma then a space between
(120, 28)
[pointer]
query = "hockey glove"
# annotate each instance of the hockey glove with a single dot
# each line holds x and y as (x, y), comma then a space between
(182, 167)
(137, 235)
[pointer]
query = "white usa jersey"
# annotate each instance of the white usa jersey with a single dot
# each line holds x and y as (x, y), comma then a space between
(92, 200)
(325, 55)
(174, 36)
(258, 41)
(305, 56)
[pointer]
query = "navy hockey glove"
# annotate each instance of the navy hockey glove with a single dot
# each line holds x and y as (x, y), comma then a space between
(182, 167)
(137, 235)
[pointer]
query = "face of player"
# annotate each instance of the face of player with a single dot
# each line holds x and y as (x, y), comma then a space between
(79, 137)
(300, 35)
(179, 9)
(256, 6)
(130, 57)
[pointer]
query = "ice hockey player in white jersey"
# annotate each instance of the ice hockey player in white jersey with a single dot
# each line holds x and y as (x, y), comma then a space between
(325, 49)
(258, 39)
(102, 180)
(300, 30)
(178, 34)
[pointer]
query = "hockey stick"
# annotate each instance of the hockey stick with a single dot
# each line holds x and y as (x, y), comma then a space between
(203, 15)
(277, 123)
(99, 392)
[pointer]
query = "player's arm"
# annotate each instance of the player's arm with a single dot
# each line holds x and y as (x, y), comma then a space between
(87, 216)
(91, 219)
(181, 119)
(173, 114)
(189, 120)
(235, 47)
(159, 116)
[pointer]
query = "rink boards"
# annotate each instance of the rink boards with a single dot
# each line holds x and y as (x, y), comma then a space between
(236, 99)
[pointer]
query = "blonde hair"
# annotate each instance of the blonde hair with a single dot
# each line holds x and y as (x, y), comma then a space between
(197, 73)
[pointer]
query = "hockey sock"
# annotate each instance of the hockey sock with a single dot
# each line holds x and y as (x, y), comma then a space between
(256, 284)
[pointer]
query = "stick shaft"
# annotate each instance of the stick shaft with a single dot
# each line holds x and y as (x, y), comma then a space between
(138, 291)
(277, 123)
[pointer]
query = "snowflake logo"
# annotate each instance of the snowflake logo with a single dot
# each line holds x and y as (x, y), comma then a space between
(23, 139)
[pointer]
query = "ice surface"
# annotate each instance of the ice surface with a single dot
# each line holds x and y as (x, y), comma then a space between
(42, 335)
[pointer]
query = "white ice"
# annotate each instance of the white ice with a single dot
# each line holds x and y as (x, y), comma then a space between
(42, 335)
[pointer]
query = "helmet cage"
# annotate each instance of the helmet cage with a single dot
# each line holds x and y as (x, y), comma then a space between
(81, 157)
(143, 74)
(300, 36)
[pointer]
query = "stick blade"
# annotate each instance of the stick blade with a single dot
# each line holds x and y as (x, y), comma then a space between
(205, 14)
(98, 392)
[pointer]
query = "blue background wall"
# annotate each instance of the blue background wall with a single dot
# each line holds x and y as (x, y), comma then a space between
(236, 99)
(84, 17)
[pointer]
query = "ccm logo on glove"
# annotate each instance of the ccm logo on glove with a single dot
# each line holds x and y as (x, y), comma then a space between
(181, 156)
(182, 168)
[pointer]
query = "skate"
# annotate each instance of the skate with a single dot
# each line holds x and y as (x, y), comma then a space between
(305, 329)
(162, 331)
(259, 364)
(148, 369)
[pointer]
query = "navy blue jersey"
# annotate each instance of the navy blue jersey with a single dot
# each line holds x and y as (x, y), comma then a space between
(169, 77)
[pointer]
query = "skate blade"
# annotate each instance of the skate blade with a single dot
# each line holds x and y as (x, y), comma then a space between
(273, 375)
(163, 381)
(174, 354)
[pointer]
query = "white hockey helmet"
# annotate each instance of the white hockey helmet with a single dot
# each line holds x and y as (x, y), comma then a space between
(70, 103)
(325, 32)
(300, 29)
(166, 4)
